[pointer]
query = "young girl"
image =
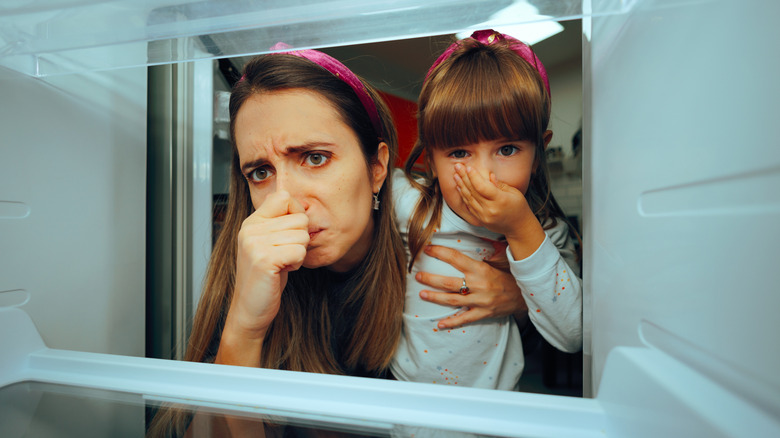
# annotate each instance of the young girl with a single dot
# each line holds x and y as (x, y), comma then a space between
(483, 115)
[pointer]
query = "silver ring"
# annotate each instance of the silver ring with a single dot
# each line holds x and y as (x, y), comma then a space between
(464, 290)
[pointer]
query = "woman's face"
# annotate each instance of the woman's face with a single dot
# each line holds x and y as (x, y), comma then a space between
(294, 140)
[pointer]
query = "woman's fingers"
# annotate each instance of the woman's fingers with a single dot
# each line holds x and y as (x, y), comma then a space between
(492, 292)
(291, 256)
(271, 227)
(455, 258)
(277, 204)
(462, 318)
(440, 282)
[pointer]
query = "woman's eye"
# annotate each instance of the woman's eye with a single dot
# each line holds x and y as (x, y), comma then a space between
(259, 174)
(507, 150)
(316, 159)
(458, 154)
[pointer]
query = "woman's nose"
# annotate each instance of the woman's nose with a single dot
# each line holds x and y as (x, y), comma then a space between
(293, 184)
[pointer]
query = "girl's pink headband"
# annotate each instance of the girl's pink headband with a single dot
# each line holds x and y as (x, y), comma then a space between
(340, 71)
(488, 37)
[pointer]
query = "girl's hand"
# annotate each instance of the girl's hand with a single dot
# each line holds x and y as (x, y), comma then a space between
(271, 242)
(496, 205)
(492, 293)
(501, 209)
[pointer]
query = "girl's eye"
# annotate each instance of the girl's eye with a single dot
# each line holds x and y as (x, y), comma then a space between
(259, 174)
(316, 159)
(507, 150)
(460, 153)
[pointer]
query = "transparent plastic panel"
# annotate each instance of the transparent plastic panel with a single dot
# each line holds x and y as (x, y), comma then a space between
(53, 37)
(44, 409)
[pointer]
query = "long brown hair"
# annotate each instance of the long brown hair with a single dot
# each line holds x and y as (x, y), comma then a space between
(299, 338)
(481, 92)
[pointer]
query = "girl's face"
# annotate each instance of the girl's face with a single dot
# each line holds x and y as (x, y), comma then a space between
(294, 140)
(511, 161)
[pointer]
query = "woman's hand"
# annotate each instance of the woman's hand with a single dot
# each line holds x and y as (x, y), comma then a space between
(271, 242)
(492, 292)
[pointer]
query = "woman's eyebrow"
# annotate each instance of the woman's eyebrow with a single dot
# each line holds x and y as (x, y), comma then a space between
(288, 151)
(251, 165)
(306, 147)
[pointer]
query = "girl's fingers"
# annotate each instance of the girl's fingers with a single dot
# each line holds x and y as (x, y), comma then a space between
(465, 192)
(464, 180)
(480, 185)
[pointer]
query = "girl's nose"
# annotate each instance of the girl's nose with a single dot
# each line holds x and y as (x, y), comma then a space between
(484, 164)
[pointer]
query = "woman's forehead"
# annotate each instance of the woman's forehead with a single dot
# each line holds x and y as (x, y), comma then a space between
(285, 122)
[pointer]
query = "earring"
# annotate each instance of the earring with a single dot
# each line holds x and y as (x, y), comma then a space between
(376, 201)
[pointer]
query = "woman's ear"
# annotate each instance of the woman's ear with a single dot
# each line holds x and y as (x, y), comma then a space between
(379, 168)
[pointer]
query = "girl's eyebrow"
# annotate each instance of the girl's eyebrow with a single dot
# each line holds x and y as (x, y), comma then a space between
(288, 151)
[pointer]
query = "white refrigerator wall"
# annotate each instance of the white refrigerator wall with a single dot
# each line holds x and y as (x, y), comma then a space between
(682, 175)
(72, 206)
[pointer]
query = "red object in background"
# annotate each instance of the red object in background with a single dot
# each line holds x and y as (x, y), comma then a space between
(405, 118)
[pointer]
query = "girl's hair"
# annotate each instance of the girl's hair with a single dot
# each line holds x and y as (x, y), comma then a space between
(482, 91)
(300, 337)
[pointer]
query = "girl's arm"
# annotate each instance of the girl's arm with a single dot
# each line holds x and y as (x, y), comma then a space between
(552, 291)
(552, 288)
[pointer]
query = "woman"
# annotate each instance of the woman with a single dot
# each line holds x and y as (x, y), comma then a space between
(311, 159)
(308, 233)
(308, 271)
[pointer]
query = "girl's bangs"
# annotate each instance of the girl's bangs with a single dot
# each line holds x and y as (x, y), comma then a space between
(484, 100)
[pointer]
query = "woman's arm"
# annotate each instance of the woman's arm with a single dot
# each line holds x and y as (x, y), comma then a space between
(272, 241)
(555, 309)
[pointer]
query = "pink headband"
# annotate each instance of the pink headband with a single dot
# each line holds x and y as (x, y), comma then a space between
(340, 71)
(488, 37)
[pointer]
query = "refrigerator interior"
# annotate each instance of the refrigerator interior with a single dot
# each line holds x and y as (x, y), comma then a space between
(680, 206)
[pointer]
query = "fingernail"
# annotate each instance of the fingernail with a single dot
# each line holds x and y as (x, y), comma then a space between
(423, 294)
